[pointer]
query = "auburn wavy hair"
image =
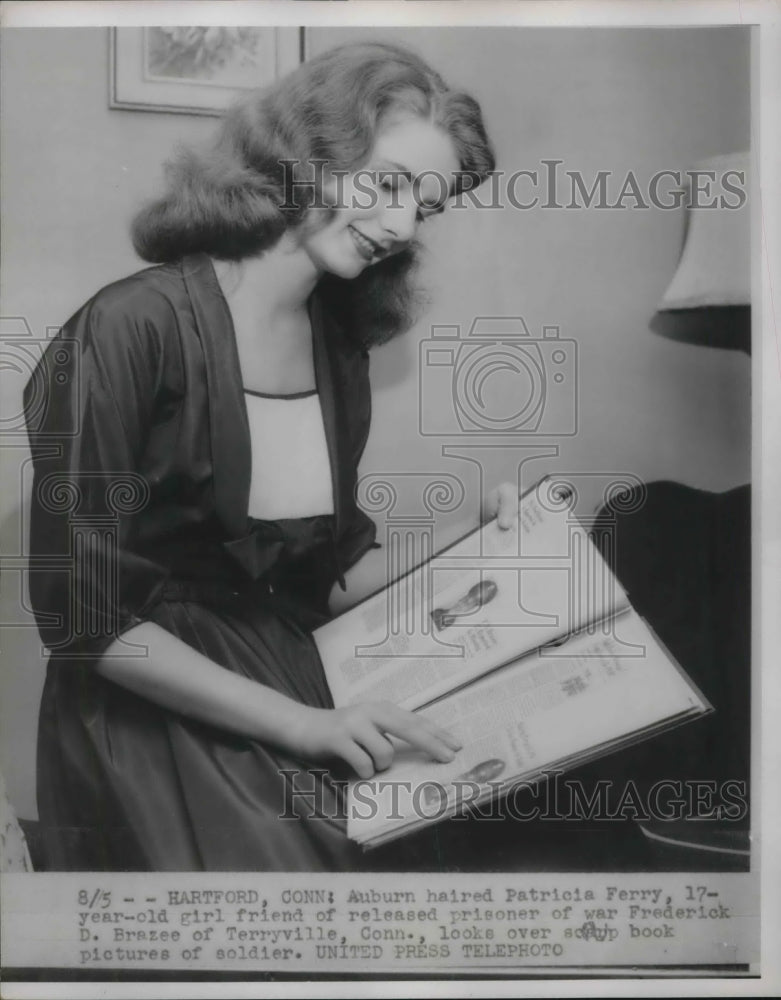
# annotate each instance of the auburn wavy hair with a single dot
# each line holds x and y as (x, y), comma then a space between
(236, 198)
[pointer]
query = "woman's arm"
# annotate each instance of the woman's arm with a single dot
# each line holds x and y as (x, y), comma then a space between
(181, 679)
(90, 409)
(368, 575)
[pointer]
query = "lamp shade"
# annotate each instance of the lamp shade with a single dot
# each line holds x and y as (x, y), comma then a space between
(715, 266)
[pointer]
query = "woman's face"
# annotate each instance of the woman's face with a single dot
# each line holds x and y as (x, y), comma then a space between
(406, 180)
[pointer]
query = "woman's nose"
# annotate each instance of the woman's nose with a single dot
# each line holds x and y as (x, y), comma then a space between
(400, 220)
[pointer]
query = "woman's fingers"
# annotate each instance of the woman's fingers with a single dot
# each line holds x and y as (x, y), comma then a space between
(377, 745)
(417, 731)
(443, 734)
(362, 736)
(356, 757)
(507, 513)
(502, 503)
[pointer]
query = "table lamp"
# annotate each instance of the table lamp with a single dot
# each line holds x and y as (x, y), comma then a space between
(708, 301)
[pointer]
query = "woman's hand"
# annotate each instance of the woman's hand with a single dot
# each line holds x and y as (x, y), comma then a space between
(502, 503)
(359, 735)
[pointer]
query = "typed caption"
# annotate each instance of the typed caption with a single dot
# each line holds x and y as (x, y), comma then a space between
(379, 924)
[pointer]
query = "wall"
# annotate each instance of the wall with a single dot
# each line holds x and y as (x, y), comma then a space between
(599, 99)
(73, 171)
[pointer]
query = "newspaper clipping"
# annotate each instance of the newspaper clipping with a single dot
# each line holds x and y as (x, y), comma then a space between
(390, 393)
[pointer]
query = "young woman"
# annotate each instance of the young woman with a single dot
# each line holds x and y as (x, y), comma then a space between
(196, 430)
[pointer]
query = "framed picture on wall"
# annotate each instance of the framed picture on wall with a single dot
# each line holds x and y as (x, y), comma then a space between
(195, 70)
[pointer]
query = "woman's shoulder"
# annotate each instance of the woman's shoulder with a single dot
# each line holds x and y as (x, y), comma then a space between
(153, 290)
(125, 336)
(142, 313)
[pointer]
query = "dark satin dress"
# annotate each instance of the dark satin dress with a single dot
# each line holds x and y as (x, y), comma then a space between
(141, 450)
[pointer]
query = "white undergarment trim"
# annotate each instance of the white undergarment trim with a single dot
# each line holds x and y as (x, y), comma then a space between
(291, 471)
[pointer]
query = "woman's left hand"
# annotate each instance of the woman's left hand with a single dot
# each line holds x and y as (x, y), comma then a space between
(502, 503)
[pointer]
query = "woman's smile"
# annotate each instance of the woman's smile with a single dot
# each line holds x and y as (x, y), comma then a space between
(406, 178)
(366, 247)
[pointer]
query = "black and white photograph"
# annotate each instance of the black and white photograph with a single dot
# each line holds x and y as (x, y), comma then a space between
(389, 527)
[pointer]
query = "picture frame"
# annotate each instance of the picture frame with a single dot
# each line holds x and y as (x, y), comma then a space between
(196, 70)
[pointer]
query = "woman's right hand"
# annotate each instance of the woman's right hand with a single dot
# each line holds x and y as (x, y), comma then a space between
(359, 735)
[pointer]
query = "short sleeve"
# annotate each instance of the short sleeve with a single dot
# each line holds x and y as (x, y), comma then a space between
(89, 407)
